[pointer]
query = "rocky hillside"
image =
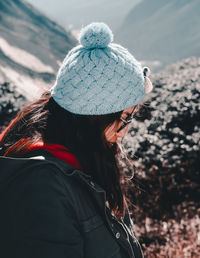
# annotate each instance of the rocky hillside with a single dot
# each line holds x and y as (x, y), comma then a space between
(31, 46)
(161, 30)
(11, 101)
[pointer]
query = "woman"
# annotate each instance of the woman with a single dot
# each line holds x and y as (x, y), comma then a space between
(62, 192)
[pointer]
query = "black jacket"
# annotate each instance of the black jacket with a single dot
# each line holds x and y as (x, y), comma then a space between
(49, 209)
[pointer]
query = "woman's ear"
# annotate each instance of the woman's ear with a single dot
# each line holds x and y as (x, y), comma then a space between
(148, 85)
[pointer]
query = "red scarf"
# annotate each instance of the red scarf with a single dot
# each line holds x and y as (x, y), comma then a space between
(58, 151)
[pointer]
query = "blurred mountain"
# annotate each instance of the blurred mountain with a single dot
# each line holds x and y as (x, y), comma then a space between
(78, 13)
(31, 46)
(165, 31)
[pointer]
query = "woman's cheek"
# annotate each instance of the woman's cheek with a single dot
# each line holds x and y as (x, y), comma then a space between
(111, 134)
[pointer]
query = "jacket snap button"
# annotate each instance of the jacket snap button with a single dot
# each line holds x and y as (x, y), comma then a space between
(117, 235)
(92, 183)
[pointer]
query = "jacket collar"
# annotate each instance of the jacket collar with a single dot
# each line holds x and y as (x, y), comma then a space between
(97, 192)
(8, 174)
(65, 167)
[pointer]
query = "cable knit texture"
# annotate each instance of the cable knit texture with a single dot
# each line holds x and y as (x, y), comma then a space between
(98, 76)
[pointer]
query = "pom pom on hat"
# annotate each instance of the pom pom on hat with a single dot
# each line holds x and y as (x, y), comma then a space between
(96, 35)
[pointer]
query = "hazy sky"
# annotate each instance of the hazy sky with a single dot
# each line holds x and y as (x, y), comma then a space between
(77, 13)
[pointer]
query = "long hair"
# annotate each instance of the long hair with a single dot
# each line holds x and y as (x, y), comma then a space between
(83, 135)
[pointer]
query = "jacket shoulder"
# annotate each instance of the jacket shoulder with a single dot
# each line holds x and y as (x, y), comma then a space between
(39, 206)
(37, 171)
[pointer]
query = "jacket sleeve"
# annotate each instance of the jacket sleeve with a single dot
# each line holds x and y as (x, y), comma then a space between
(43, 223)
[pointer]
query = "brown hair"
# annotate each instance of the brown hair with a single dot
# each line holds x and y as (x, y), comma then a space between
(83, 135)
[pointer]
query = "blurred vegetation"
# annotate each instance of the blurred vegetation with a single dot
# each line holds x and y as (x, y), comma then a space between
(164, 144)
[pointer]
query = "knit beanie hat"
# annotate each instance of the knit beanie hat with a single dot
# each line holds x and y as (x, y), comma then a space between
(99, 77)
